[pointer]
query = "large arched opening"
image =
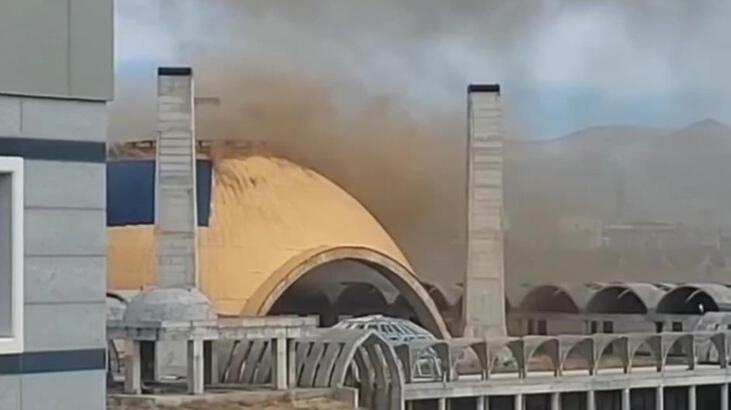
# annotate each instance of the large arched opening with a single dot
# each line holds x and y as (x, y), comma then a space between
(549, 298)
(615, 299)
(695, 299)
(625, 298)
(355, 280)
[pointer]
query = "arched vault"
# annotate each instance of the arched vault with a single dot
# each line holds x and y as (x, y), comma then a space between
(696, 298)
(401, 277)
(638, 298)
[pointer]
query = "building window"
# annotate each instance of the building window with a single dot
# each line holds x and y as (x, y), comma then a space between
(608, 327)
(542, 327)
(11, 255)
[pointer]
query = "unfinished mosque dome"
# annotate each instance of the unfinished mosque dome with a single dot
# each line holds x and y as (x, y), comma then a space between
(275, 238)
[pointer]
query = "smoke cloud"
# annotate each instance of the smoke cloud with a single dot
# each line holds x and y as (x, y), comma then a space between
(372, 93)
(422, 53)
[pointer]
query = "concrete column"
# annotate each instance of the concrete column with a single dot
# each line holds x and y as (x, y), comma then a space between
(175, 180)
(279, 363)
(590, 400)
(292, 363)
(484, 298)
(724, 396)
(659, 398)
(555, 401)
(133, 368)
(442, 404)
(196, 367)
(519, 402)
(626, 399)
(483, 403)
(692, 398)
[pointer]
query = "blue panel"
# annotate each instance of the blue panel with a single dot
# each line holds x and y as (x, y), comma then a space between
(131, 192)
(203, 188)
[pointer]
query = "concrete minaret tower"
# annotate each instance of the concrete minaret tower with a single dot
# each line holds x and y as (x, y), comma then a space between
(175, 296)
(484, 296)
(175, 204)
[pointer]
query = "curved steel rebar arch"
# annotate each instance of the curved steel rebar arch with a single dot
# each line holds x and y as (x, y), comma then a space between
(361, 356)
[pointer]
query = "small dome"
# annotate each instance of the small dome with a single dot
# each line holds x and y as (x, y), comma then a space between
(169, 304)
(115, 307)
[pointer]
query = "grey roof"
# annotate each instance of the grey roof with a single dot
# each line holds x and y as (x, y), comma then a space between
(169, 304)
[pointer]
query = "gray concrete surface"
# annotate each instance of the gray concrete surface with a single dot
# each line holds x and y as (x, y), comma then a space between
(484, 306)
(57, 48)
(176, 219)
(65, 246)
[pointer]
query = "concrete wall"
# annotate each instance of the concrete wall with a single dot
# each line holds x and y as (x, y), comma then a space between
(62, 143)
(570, 323)
(60, 48)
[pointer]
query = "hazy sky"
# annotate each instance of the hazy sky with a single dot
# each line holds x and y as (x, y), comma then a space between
(563, 64)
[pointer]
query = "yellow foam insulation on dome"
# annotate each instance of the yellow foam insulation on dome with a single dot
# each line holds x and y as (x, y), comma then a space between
(264, 211)
(130, 257)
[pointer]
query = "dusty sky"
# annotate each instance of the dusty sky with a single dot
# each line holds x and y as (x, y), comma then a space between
(563, 64)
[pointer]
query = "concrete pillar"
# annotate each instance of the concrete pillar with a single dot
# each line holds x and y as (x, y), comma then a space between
(659, 398)
(133, 368)
(279, 363)
(555, 401)
(692, 397)
(482, 403)
(442, 404)
(292, 363)
(724, 396)
(519, 402)
(626, 399)
(175, 202)
(196, 367)
(484, 297)
(590, 400)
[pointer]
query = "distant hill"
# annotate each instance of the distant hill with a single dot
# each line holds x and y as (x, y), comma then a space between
(626, 173)
(618, 173)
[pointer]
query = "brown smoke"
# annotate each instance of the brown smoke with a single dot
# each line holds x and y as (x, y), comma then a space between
(371, 93)
(404, 170)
